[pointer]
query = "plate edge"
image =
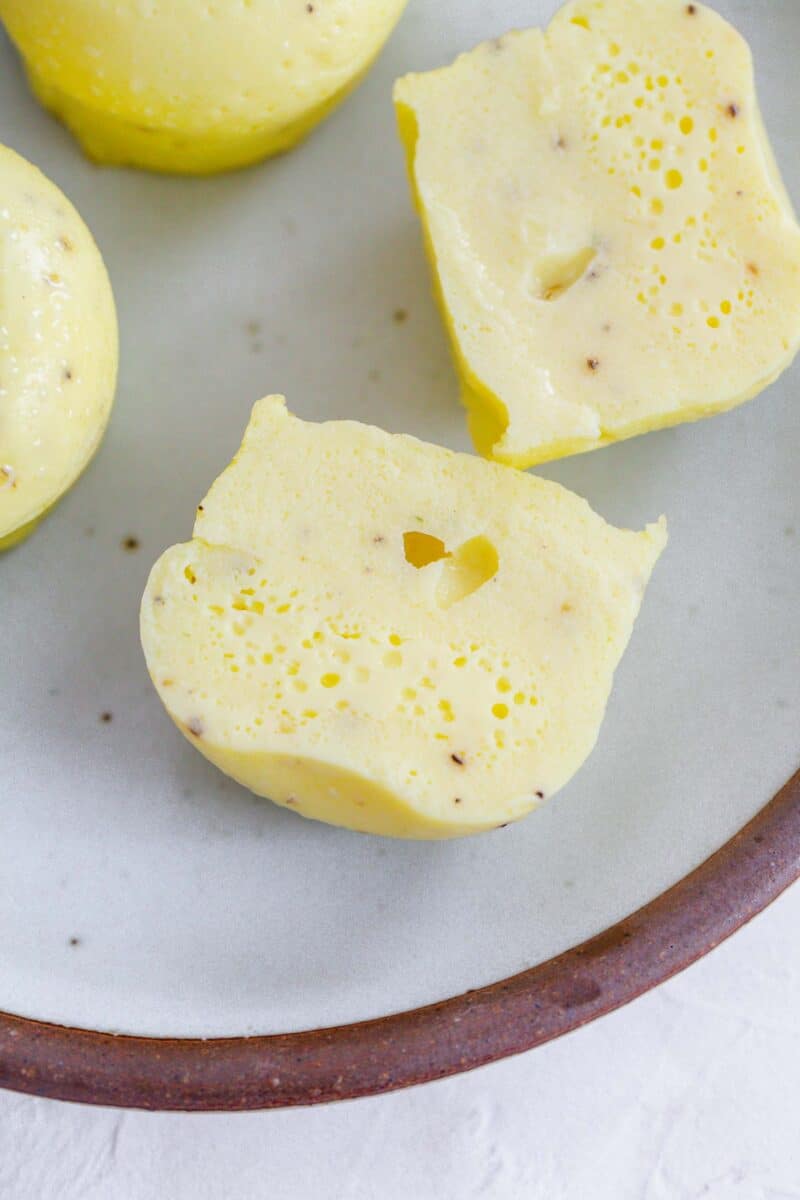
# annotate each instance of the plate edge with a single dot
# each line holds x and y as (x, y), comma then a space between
(368, 1058)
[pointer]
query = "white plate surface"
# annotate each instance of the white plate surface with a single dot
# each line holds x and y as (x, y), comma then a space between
(198, 909)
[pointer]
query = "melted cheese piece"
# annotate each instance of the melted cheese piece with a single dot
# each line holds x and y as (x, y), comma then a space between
(58, 346)
(178, 85)
(384, 635)
(613, 246)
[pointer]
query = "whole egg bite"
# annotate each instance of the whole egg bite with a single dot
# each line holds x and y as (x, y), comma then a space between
(58, 346)
(183, 86)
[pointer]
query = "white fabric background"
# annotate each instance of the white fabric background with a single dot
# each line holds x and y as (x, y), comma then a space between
(691, 1092)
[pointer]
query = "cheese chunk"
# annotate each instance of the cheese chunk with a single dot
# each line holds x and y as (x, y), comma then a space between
(185, 86)
(58, 347)
(387, 636)
(613, 247)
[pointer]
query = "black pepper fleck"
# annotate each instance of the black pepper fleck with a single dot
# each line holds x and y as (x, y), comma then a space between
(378, 539)
(457, 759)
(195, 727)
(130, 543)
(691, 10)
(309, 8)
(68, 373)
(540, 795)
(74, 941)
(106, 717)
(457, 800)
(593, 364)
(399, 316)
(733, 110)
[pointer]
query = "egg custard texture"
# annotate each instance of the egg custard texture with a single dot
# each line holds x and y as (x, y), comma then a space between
(58, 347)
(387, 636)
(613, 247)
(179, 85)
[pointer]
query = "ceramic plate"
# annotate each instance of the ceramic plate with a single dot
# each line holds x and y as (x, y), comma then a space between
(141, 892)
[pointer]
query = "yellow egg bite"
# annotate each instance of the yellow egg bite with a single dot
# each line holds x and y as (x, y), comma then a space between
(179, 85)
(58, 347)
(387, 636)
(613, 247)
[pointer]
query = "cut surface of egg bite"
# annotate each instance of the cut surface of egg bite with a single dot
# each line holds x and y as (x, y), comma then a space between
(385, 635)
(613, 248)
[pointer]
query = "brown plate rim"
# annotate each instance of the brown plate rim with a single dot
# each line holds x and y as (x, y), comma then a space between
(371, 1057)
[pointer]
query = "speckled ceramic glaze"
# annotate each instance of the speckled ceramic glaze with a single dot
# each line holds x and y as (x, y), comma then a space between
(140, 891)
